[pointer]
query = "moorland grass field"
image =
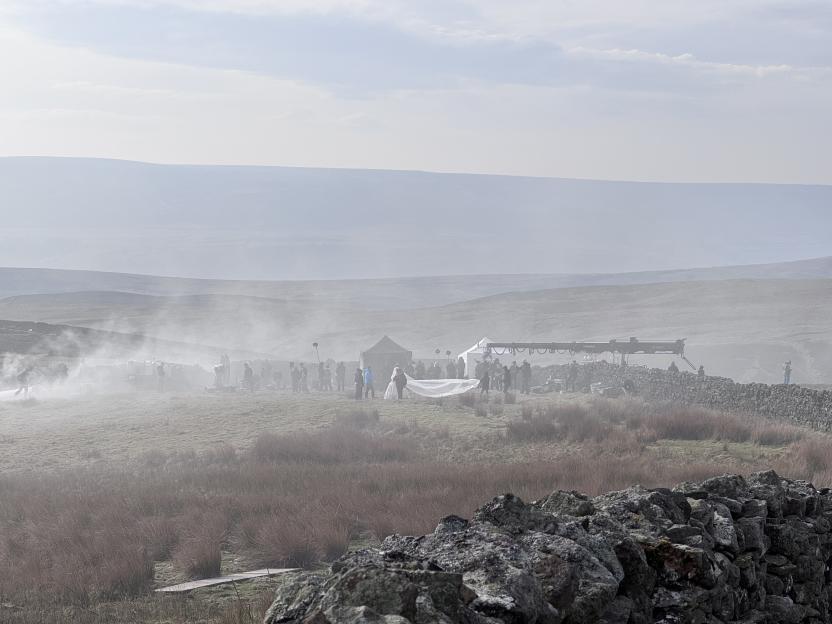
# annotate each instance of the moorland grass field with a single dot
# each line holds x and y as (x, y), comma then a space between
(105, 498)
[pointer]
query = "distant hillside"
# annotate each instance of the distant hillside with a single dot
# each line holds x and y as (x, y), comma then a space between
(38, 340)
(742, 329)
(87, 290)
(287, 223)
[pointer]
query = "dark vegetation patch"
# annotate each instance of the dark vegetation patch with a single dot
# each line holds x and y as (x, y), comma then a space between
(602, 419)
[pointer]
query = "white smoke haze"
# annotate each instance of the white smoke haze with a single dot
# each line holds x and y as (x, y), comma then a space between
(201, 198)
(712, 314)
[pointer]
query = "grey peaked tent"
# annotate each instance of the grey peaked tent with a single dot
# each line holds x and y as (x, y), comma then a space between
(382, 357)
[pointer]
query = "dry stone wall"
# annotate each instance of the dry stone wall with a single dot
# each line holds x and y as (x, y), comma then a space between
(801, 405)
(729, 549)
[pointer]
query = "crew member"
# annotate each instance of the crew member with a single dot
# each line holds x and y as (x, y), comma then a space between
(368, 383)
(506, 380)
(359, 384)
(400, 379)
(485, 383)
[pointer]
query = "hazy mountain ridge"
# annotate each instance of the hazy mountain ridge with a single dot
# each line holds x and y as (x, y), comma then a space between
(281, 222)
(405, 292)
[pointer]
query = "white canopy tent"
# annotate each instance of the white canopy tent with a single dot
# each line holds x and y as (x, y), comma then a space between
(473, 355)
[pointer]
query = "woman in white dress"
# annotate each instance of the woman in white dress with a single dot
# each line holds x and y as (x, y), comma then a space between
(395, 389)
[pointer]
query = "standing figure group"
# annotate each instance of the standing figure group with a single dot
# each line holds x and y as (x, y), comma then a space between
(504, 378)
(300, 378)
(452, 370)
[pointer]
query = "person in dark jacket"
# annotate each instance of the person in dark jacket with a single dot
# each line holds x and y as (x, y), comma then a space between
(359, 384)
(400, 379)
(340, 376)
(526, 376)
(304, 379)
(485, 383)
(248, 377)
(506, 379)
(572, 376)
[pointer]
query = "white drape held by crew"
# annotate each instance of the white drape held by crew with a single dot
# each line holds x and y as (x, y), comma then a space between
(432, 388)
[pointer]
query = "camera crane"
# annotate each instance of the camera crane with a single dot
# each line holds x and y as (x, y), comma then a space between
(616, 347)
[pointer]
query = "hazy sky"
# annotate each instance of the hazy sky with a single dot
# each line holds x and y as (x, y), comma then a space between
(718, 90)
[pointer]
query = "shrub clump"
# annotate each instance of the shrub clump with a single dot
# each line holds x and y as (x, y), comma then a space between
(331, 446)
(357, 418)
(469, 399)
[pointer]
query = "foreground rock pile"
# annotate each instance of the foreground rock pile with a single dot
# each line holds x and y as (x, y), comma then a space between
(804, 406)
(726, 550)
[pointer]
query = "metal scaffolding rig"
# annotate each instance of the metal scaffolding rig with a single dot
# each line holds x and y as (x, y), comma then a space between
(623, 348)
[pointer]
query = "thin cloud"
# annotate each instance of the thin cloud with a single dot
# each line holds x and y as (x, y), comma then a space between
(690, 61)
(596, 89)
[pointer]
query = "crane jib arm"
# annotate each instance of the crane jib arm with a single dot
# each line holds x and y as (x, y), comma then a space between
(624, 347)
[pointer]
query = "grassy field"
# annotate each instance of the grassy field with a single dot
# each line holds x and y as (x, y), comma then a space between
(107, 498)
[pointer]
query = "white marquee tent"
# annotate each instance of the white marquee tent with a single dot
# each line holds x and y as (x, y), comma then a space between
(473, 355)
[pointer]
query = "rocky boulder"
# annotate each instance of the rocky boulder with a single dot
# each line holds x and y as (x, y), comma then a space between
(726, 550)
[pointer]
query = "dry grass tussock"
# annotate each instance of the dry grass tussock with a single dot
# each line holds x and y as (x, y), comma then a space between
(77, 538)
(602, 420)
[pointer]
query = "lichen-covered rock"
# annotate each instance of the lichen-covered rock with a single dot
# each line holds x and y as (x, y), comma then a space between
(567, 504)
(726, 550)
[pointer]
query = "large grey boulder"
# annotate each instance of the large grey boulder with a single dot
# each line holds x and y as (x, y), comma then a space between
(726, 550)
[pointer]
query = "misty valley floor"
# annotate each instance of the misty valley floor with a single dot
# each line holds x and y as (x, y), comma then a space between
(108, 497)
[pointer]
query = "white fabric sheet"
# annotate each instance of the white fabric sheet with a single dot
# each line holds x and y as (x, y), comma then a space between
(433, 388)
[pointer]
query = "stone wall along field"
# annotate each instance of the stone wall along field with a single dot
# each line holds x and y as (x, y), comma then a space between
(729, 549)
(793, 403)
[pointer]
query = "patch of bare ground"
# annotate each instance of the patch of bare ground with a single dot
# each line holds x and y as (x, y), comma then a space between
(92, 538)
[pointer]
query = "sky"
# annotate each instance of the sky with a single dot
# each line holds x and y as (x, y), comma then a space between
(657, 90)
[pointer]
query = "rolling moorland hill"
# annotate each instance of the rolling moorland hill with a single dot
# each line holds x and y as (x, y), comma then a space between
(744, 329)
(45, 340)
(91, 289)
(299, 223)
